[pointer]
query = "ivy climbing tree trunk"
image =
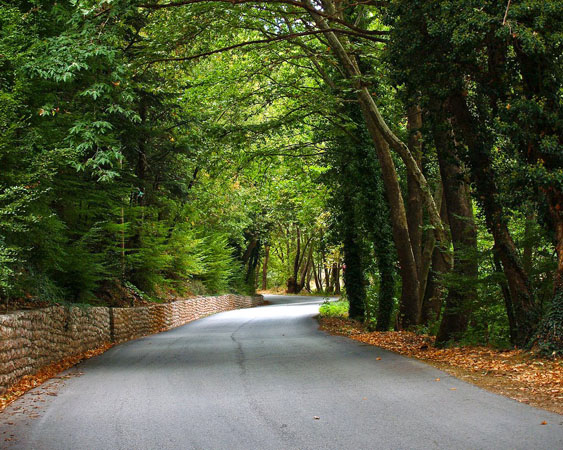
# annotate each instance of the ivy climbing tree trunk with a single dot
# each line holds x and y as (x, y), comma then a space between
(521, 295)
(384, 139)
(461, 296)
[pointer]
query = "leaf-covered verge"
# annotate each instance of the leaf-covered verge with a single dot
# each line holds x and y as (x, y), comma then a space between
(29, 382)
(520, 375)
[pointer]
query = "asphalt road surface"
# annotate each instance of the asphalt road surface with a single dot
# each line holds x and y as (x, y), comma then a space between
(266, 378)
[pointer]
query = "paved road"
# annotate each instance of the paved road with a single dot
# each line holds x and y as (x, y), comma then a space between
(266, 378)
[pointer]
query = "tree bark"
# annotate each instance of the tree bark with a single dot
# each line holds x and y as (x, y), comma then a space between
(414, 196)
(525, 310)
(434, 289)
(383, 137)
(317, 276)
(265, 267)
(463, 230)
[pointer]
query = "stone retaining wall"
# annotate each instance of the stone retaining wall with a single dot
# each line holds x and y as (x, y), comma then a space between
(30, 340)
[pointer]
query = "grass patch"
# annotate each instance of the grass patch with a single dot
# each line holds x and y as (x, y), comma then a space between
(334, 309)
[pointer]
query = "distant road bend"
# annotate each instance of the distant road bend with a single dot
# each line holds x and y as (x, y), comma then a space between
(266, 378)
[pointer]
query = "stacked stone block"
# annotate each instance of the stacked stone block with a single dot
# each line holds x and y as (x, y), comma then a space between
(30, 340)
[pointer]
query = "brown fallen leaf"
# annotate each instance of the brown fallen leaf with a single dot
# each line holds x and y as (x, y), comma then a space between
(437, 379)
(30, 381)
(378, 359)
(544, 423)
(453, 389)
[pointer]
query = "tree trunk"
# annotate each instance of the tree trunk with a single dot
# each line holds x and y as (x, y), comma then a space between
(317, 276)
(429, 248)
(525, 310)
(507, 300)
(461, 296)
(305, 270)
(409, 307)
(382, 136)
(265, 267)
(434, 289)
(335, 275)
(386, 297)
(434, 295)
(293, 280)
(354, 274)
(414, 196)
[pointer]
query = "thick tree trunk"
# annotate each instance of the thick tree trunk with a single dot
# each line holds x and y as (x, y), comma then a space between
(550, 335)
(463, 230)
(434, 294)
(434, 289)
(409, 307)
(429, 248)
(525, 310)
(541, 87)
(309, 276)
(414, 196)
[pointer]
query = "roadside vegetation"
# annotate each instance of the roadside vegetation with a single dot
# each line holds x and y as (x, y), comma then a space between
(407, 151)
(334, 309)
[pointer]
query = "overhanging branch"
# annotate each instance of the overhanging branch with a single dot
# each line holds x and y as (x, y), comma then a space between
(260, 41)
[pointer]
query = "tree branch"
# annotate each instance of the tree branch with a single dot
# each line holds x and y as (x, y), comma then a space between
(259, 41)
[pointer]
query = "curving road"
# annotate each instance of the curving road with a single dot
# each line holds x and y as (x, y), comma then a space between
(266, 378)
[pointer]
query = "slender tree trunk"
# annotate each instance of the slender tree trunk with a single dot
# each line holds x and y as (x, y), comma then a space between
(335, 278)
(293, 281)
(317, 276)
(337, 288)
(265, 267)
(507, 300)
(305, 270)
(326, 275)
(528, 250)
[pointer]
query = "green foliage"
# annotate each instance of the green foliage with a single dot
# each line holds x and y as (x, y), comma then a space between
(550, 335)
(220, 265)
(337, 309)
(96, 180)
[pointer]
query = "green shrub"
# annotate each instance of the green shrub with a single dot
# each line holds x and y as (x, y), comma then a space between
(334, 309)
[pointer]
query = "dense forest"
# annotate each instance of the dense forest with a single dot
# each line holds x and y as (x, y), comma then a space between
(410, 150)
